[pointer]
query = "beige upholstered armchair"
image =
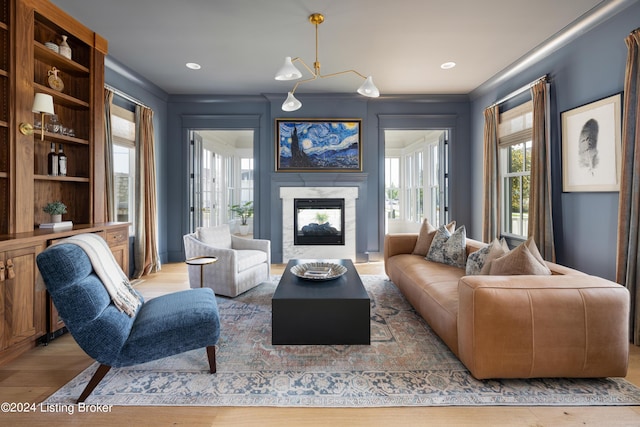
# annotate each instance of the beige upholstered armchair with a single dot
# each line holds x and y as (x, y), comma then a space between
(242, 263)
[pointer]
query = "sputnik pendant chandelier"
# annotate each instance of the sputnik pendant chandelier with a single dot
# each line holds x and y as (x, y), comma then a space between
(290, 72)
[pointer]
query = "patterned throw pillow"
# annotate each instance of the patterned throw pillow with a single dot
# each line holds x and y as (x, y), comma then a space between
(476, 260)
(427, 231)
(449, 248)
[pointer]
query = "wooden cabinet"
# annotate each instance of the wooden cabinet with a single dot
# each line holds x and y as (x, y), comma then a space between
(118, 241)
(22, 298)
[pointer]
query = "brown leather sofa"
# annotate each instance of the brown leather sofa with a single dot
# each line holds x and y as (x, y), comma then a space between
(569, 324)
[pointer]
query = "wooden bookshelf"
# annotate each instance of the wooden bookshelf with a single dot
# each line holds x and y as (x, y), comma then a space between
(26, 26)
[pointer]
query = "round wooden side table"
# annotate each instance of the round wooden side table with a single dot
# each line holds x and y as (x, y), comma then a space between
(201, 261)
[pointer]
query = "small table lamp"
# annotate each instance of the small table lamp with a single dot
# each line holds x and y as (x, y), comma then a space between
(43, 104)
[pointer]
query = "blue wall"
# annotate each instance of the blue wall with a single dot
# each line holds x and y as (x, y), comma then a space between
(587, 69)
(260, 112)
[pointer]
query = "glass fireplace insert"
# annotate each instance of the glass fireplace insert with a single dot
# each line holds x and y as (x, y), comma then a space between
(318, 221)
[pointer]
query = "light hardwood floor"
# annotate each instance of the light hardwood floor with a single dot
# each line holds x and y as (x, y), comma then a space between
(37, 374)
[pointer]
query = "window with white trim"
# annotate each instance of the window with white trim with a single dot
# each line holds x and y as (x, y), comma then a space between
(123, 130)
(432, 205)
(246, 180)
(392, 187)
(515, 142)
(414, 186)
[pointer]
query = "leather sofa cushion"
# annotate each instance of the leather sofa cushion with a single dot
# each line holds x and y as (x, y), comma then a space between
(538, 326)
(432, 289)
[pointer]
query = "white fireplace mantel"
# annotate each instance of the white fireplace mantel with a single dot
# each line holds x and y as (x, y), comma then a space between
(292, 251)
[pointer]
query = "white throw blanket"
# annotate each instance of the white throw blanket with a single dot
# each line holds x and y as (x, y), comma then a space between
(108, 270)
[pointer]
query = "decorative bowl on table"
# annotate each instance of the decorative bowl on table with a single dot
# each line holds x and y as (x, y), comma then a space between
(318, 271)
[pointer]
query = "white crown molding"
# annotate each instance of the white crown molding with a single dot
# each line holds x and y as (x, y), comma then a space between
(571, 32)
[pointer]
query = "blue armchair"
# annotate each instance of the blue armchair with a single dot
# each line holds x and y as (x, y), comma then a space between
(163, 326)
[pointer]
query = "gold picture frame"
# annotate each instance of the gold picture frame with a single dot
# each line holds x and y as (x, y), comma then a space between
(318, 145)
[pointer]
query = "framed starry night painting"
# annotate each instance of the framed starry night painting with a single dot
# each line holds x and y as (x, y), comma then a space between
(318, 145)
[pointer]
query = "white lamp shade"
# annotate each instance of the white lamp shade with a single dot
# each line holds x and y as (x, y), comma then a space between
(368, 88)
(288, 71)
(43, 103)
(291, 103)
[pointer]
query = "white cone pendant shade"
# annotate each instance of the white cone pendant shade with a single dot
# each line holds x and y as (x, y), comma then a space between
(369, 89)
(291, 103)
(288, 71)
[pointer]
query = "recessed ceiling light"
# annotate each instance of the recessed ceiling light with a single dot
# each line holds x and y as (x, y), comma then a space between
(193, 65)
(448, 65)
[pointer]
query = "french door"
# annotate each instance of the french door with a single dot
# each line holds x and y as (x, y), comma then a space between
(416, 179)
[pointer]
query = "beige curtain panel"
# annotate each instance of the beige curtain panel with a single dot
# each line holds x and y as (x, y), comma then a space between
(145, 248)
(540, 218)
(627, 268)
(491, 185)
(110, 203)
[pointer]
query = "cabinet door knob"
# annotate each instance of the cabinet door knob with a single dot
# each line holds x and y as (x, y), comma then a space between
(1, 271)
(10, 273)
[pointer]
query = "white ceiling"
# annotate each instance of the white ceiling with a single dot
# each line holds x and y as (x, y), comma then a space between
(241, 43)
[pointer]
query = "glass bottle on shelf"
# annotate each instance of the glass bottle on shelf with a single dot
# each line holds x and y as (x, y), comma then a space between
(54, 124)
(52, 161)
(62, 162)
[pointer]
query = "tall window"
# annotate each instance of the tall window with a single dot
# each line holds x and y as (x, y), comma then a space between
(123, 128)
(414, 178)
(207, 187)
(433, 185)
(230, 171)
(515, 133)
(392, 187)
(246, 180)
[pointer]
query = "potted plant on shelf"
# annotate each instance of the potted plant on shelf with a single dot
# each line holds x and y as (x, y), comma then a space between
(245, 211)
(55, 209)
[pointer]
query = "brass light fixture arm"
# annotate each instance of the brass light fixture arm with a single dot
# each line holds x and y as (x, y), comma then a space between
(342, 72)
(27, 128)
(300, 60)
(320, 76)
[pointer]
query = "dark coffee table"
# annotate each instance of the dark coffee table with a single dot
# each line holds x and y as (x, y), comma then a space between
(321, 312)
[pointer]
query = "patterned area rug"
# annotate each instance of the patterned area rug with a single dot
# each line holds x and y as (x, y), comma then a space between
(405, 365)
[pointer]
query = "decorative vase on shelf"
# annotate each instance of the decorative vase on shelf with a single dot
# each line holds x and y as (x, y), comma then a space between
(65, 50)
(56, 218)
